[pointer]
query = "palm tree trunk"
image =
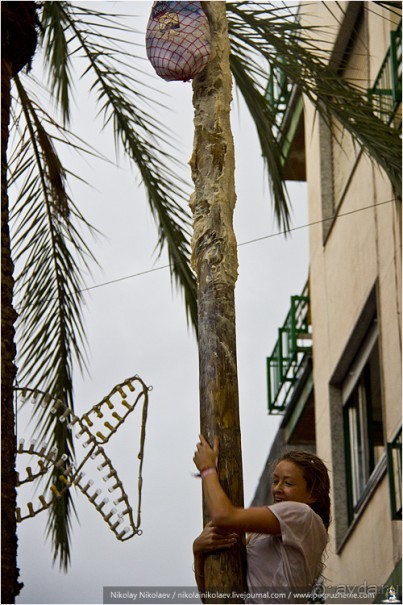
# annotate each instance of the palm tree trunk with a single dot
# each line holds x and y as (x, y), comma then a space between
(214, 252)
(18, 46)
(9, 586)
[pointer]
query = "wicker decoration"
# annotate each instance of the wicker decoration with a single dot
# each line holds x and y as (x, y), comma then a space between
(178, 40)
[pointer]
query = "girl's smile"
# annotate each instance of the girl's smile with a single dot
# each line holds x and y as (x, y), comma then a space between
(289, 484)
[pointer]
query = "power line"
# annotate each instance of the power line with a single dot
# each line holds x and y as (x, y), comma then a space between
(251, 241)
(118, 279)
(323, 220)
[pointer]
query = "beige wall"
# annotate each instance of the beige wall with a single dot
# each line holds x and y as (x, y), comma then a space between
(362, 247)
(368, 555)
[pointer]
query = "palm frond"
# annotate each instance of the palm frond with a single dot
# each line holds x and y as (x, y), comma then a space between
(52, 252)
(138, 133)
(251, 76)
(47, 227)
(289, 48)
(394, 6)
(265, 123)
(57, 54)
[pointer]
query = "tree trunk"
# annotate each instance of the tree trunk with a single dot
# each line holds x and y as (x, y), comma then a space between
(18, 46)
(214, 253)
(9, 586)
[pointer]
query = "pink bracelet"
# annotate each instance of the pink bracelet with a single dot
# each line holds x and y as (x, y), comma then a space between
(207, 471)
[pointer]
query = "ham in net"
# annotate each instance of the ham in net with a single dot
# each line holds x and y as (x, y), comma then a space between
(178, 39)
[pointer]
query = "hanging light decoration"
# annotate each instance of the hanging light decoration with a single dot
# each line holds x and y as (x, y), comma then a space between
(116, 406)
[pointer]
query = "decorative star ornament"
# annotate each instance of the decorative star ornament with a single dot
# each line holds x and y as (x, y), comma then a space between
(93, 430)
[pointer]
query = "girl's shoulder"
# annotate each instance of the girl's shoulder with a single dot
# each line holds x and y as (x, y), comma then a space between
(300, 525)
(289, 512)
(291, 506)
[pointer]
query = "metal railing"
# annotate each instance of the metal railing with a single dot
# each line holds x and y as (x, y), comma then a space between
(286, 363)
(278, 92)
(279, 86)
(386, 93)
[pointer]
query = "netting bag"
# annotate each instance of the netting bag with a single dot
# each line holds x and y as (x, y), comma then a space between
(178, 39)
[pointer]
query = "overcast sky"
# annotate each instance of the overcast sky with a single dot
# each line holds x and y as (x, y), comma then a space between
(138, 326)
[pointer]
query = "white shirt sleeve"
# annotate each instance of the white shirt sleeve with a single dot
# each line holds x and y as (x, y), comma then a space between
(303, 530)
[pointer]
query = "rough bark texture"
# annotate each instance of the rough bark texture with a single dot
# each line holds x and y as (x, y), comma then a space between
(9, 585)
(215, 261)
(18, 46)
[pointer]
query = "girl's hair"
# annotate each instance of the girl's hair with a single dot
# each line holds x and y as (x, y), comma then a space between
(317, 479)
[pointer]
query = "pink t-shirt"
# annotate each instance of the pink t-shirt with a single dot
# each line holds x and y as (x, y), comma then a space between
(281, 568)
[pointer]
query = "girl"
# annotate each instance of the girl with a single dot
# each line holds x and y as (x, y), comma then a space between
(288, 537)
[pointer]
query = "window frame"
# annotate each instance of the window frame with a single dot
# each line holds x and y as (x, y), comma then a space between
(361, 483)
(395, 468)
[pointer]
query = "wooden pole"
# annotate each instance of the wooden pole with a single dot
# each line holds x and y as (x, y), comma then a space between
(214, 255)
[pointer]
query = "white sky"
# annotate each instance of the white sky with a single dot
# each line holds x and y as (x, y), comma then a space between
(138, 326)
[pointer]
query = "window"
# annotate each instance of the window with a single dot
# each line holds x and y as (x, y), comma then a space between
(363, 421)
(395, 475)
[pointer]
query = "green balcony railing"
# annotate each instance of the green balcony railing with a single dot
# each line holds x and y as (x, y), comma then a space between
(386, 93)
(279, 87)
(394, 452)
(278, 93)
(286, 363)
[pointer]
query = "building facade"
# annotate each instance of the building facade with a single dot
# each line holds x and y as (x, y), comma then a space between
(335, 371)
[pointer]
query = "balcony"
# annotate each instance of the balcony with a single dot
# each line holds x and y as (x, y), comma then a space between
(287, 362)
(286, 103)
(278, 92)
(386, 93)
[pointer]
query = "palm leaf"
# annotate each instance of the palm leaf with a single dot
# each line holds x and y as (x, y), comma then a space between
(57, 57)
(288, 47)
(49, 247)
(47, 226)
(265, 123)
(105, 42)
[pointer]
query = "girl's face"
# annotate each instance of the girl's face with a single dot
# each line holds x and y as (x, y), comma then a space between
(289, 484)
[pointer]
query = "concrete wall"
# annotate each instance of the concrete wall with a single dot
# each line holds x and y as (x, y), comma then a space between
(348, 257)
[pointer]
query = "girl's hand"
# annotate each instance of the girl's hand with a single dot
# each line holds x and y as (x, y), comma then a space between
(205, 456)
(213, 538)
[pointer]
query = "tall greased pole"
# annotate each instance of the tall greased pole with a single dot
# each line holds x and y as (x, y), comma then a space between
(214, 255)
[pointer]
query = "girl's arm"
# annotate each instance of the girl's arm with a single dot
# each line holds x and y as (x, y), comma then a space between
(224, 514)
(211, 539)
